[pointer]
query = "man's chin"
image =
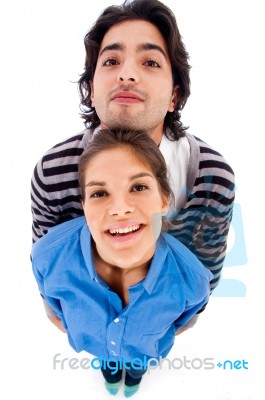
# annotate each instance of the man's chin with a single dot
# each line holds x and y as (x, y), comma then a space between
(124, 125)
(125, 121)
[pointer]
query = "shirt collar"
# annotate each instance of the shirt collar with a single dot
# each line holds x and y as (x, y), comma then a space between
(88, 135)
(155, 269)
(157, 265)
(86, 247)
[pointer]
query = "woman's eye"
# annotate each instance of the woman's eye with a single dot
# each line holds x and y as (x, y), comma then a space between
(152, 63)
(110, 62)
(98, 193)
(139, 188)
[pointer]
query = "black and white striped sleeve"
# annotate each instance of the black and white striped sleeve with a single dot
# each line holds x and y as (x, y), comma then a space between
(55, 194)
(203, 223)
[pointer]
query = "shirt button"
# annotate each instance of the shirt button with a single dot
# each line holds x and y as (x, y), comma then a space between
(116, 320)
(113, 343)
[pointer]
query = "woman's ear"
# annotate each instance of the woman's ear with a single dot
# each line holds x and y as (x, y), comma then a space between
(165, 205)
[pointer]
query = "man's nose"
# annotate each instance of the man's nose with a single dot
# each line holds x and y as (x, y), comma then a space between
(128, 73)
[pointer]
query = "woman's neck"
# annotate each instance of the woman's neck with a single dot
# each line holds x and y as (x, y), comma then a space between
(117, 278)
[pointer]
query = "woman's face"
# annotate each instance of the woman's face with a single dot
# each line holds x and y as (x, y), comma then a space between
(123, 207)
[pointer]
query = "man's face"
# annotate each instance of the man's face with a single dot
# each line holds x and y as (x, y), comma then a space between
(133, 85)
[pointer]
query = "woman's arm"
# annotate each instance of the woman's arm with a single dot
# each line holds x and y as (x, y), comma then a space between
(188, 325)
(57, 322)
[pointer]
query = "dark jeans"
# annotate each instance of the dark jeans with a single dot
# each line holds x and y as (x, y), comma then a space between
(132, 377)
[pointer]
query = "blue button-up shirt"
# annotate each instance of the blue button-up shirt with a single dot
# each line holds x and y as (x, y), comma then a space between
(175, 288)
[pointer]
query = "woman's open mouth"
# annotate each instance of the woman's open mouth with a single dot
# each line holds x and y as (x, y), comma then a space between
(125, 233)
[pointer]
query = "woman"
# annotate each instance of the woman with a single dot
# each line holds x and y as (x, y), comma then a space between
(117, 285)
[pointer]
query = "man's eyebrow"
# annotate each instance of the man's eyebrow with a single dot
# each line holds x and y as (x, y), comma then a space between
(151, 46)
(140, 47)
(113, 46)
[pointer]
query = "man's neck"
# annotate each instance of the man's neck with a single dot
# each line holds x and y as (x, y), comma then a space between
(156, 134)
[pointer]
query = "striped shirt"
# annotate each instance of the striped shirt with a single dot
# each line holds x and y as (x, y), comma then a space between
(202, 223)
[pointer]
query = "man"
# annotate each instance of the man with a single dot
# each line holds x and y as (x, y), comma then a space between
(137, 77)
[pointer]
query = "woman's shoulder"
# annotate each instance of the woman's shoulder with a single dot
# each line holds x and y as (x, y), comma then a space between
(59, 236)
(185, 261)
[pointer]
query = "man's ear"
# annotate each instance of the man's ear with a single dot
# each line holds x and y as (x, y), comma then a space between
(91, 93)
(174, 99)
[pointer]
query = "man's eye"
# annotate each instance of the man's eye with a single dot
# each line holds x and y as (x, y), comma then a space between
(152, 63)
(139, 188)
(110, 62)
(98, 193)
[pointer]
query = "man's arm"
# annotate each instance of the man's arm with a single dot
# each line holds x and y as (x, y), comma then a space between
(43, 215)
(55, 193)
(203, 223)
(204, 231)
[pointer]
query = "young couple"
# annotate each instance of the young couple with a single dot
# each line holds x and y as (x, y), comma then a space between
(118, 286)
(136, 78)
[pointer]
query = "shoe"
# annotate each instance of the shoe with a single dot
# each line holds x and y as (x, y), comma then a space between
(130, 390)
(112, 388)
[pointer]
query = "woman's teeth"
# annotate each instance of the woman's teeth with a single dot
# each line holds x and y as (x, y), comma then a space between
(121, 231)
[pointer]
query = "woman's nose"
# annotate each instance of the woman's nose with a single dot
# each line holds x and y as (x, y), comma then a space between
(120, 206)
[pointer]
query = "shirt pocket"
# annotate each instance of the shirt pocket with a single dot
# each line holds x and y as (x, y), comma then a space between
(159, 343)
(86, 334)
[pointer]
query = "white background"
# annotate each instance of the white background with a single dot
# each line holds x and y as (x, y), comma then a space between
(41, 53)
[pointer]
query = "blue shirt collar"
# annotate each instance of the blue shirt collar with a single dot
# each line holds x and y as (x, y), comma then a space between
(156, 265)
(86, 247)
(155, 268)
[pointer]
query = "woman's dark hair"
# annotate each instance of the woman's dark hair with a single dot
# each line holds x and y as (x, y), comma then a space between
(141, 145)
(163, 18)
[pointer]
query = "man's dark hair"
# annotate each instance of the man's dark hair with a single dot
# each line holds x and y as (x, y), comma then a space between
(162, 17)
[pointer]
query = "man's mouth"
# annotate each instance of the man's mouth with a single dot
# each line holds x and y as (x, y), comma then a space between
(127, 97)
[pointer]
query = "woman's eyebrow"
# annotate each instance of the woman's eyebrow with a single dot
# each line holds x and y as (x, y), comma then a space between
(131, 178)
(141, 175)
(95, 183)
